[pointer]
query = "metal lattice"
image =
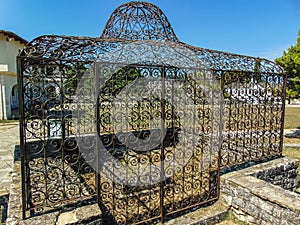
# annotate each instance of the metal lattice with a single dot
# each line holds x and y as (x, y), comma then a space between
(90, 105)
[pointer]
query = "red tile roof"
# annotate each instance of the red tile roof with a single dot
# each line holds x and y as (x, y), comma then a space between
(14, 36)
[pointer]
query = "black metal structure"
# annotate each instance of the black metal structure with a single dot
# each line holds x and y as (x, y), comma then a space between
(89, 106)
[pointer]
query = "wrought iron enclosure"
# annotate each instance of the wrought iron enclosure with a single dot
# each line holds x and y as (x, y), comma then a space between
(139, 120)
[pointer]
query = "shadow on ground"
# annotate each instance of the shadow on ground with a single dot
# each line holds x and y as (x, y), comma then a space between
(3, 208)
(294, 134)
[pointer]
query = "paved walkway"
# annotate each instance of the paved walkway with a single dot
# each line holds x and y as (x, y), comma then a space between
(292, 105)
(9, 137)
(292, 133)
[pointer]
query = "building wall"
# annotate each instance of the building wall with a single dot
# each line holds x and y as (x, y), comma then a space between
(6, 83)
(9, 49)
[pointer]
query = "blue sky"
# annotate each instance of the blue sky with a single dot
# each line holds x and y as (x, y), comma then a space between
(263, 28)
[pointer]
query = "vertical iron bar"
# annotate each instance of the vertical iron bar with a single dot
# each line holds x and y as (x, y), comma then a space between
(44, 126)
(174, 130)
(126, 147)
(63, 130)
(250, 117)
(264, 117)
(162, 152)
(97, 137)
(229, 136)
(221, 127)
(284, 76)
(22, 136)
(211, 137)
(195, 127)
(244, 121)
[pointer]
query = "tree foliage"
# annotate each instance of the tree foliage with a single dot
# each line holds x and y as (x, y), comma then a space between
(119, 80)
(111, 87)
(74, 73)
(290, 61)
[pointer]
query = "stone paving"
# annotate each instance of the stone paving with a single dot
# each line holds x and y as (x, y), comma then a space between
(9, 138)
(291, 133)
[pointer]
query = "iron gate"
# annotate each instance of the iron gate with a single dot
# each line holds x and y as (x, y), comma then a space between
(143, 138)
(134, 119)
(160, 127)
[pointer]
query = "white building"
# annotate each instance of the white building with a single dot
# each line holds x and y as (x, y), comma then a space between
(254, 93)
(10, 45)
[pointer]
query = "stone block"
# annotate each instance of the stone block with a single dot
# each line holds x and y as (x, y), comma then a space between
(266, 206)
(79, 215)
(292, 173)
(254, 200)
(262, 222)
(251, 220)
(252, 209)
(226, 189)
(227, 199)
(238, 202)
(67, 218)
(239, 214)
(87, 212)
(277, 210)
(287, 222)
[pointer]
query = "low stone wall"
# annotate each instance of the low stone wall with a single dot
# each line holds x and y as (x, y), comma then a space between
(254, 200)
(283, 174)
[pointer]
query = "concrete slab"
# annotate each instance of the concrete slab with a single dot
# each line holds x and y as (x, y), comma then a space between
(9, 138)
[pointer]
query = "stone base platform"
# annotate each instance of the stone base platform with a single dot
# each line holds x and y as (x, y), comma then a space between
(265, 193)
(91, 214)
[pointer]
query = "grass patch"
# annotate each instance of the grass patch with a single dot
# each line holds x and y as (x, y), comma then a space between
(292, 118)
(292, 153)
(291, 140)
(8, 121)
(230, 219)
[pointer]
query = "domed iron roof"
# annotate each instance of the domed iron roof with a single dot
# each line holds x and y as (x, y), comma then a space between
(139, 21)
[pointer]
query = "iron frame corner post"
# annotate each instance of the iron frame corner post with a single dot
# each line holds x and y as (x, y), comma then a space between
(97, 138)
(162, 170)
(22, 133)
(284, 75)
(221, 130)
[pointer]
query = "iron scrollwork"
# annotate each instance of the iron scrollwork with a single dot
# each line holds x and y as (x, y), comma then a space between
(138, 42)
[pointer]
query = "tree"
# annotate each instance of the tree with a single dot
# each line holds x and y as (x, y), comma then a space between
(290, 61)
(74, 73)
(119, 80)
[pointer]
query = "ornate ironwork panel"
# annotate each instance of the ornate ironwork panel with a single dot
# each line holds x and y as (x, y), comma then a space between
(54, 171)
(253, 115)
(163, 152)
(139, 21)
(138, 120)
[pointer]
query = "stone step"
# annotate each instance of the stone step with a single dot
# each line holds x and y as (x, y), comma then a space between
(211, 214)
